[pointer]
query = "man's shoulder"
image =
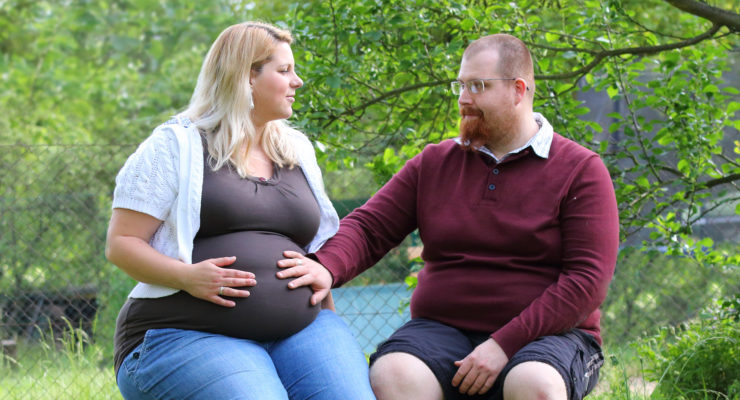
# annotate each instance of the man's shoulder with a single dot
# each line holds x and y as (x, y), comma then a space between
(444, 147)
(567, 148)
(438, 154)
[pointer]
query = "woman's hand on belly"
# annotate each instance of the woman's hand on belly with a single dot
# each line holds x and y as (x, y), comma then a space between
(307, 273)
(208, 280)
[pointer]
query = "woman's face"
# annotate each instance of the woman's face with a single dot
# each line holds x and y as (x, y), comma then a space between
(273, 88)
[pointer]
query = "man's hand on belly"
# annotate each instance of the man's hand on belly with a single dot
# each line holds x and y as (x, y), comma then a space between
(307, 273)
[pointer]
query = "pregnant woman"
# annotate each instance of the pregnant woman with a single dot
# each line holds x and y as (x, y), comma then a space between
(202, 211)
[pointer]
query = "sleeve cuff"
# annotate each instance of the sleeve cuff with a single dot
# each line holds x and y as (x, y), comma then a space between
(331, 263)
(148, 208)
(510, 339)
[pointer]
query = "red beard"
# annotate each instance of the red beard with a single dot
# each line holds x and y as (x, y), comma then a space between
(492, 130)
(473, 131)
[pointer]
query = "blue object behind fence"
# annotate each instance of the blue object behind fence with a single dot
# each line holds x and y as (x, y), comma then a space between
(372, 312)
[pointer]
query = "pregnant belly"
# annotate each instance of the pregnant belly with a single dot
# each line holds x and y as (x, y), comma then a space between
(272, 311)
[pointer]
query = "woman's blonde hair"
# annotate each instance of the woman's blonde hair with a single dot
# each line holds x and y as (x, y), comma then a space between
(220, 105)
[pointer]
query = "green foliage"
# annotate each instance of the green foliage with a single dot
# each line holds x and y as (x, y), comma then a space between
(621, 377)
(378, 73)
(59, 368)
(394, 267)
(376, 78)
(411, 281)
(101, 71)
(80, 72)
(651, 289)
(699, 359)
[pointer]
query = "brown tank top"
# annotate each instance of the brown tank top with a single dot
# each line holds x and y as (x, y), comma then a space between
(254, 219)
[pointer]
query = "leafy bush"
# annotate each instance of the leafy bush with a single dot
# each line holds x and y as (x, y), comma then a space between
(651, 289)
(699, 359)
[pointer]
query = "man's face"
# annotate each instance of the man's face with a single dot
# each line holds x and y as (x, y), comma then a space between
(487, 115)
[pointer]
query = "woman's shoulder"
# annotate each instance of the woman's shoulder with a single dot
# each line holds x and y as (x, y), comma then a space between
(296, 135)
(178, 124)
(301, 142)
(169, 133)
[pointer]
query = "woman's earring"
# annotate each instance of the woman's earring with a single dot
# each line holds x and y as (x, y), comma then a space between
(251, 103)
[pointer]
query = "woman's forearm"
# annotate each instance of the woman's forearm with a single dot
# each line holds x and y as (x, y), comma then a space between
(139, 260)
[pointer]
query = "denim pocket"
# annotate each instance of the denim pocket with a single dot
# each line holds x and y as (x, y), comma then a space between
(138, 363)
(131, 363)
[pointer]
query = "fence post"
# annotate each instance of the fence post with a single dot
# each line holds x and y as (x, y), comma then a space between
(9, 350)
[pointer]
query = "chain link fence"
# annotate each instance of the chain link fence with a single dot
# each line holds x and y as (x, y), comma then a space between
(59, 297)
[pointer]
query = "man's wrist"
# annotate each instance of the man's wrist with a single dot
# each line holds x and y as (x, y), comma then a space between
(314, 257)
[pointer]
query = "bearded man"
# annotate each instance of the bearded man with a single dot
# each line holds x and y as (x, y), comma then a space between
(520, 231)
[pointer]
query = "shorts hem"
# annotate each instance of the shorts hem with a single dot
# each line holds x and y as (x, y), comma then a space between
(516, 361)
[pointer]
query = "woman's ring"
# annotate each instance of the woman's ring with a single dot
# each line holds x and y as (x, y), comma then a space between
(221, 291)
(299, 262)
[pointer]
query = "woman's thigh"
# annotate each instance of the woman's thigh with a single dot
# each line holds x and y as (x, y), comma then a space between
(323, 361)
(183, 364)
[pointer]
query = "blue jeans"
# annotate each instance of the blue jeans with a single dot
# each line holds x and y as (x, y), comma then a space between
(323, 361)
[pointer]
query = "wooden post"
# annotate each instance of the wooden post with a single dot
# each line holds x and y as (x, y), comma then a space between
(9, 350)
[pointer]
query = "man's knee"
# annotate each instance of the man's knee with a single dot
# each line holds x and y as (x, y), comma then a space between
(403, 376)
(534, 381)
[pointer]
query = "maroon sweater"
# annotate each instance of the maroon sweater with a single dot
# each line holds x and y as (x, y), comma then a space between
(521, 249)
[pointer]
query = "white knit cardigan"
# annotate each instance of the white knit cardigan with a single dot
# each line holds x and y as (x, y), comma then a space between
(164, 177)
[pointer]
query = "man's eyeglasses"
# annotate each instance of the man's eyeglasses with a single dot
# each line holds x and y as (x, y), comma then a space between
(475, 85)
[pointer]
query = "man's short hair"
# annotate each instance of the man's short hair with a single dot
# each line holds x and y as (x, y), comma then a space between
(514, 59)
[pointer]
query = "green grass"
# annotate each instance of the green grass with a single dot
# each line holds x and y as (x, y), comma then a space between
(622, 377)
(49, 380)
(59, 376)
(46, 373)
(41, 375)
(688, 362)
(66, 367)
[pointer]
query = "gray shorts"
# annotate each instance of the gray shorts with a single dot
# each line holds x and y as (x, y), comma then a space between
(575, 354)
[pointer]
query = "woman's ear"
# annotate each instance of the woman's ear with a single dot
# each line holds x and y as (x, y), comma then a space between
(252, 76)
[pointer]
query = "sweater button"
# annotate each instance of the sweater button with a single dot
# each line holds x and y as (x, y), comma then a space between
(495, 171)
(491, 187)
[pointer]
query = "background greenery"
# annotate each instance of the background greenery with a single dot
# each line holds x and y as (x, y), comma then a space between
(651, 85)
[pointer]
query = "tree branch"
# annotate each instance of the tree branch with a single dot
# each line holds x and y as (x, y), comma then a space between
(705, 211)
(336, 29)
(721, 181)
(716, 15)
(598, 57)
(385, 96)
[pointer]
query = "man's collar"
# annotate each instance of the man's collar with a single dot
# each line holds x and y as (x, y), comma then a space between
(540, 142)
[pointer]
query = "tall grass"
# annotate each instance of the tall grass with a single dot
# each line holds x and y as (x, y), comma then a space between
(685, 365)
(71, 369)
(66, 366)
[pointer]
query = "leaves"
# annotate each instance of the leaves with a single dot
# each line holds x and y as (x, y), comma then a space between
(698, 359)
(396, 93)
(377, 79)
(98, 72)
